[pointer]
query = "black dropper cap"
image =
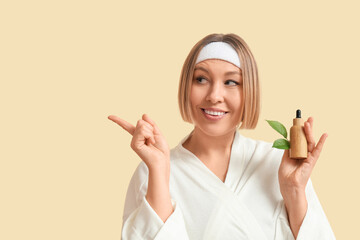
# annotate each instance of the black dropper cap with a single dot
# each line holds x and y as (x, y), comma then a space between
(298, 113)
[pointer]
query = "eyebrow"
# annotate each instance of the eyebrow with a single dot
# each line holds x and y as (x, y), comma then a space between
(227, 73)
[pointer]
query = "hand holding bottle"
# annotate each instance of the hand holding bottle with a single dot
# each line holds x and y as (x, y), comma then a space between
(294, 174)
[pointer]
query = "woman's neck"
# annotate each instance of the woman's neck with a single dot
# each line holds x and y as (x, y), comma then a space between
(202, 144)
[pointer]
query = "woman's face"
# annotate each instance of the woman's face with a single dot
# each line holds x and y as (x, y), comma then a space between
(216, 96)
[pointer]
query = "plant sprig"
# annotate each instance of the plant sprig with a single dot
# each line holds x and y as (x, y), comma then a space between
(282, 143)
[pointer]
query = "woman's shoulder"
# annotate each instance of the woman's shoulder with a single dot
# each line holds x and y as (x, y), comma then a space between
(178, 151)
(262, 163)
(262, 150)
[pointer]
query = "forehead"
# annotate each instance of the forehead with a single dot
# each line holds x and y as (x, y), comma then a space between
(217, 65)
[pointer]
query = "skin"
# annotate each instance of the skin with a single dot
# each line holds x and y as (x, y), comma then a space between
(211, 88)
(211, 142)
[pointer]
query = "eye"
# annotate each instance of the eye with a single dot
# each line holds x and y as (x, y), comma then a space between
(199, 79)
(232, 83)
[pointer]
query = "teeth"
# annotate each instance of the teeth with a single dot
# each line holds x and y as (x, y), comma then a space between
(214, 113)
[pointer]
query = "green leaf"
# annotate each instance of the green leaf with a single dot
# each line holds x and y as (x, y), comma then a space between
(281, 144)
(278, 127)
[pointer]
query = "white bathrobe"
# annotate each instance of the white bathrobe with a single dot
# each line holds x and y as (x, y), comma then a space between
(248, 205)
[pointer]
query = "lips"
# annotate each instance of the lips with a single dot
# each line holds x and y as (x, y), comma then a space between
(214, 110)
(212, 115)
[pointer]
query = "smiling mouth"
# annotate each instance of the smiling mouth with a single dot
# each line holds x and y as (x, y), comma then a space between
(214, 113)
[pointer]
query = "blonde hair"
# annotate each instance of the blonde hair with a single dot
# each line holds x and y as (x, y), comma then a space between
(250, 107)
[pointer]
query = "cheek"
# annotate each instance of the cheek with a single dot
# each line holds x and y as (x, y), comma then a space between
(195, 96)
(236, 99)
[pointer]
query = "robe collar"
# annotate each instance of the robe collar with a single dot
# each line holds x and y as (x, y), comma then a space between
(236, 163)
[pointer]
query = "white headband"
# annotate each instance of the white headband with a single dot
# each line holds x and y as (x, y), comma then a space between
(219, 50)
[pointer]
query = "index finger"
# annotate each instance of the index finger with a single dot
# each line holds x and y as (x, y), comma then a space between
(124, 124)
(319, 146)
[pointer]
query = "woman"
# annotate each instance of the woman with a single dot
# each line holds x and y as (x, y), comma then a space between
(218, 184)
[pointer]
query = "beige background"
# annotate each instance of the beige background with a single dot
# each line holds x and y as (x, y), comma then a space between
(66, 65)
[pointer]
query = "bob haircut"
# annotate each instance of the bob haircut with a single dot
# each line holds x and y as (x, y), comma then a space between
(250, 107)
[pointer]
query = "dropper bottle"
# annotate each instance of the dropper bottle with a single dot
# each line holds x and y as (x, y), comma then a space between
(298, 143)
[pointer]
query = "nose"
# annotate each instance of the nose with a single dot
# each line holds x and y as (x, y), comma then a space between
(216, 93)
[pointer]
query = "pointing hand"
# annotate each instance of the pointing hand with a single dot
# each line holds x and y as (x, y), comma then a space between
(147, 141)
